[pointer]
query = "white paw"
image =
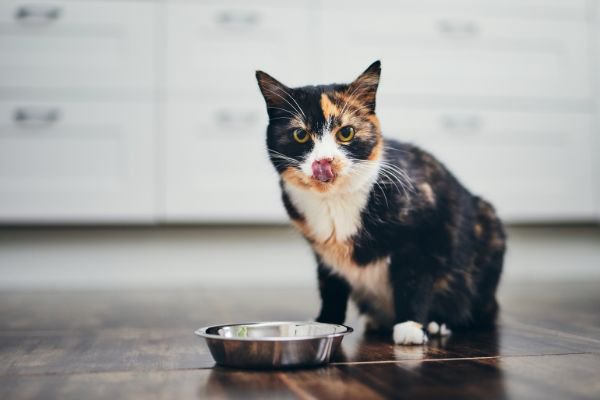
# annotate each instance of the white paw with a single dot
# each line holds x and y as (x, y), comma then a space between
(433, 328)
(436, 329)
(409, 332)
(445, 331)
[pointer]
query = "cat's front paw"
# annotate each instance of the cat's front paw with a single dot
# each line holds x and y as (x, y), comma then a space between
(409, 332)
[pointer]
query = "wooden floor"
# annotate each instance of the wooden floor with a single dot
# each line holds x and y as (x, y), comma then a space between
(139, 345)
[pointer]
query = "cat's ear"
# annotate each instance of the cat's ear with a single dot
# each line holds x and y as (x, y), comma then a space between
(364, 88)
(272, 90)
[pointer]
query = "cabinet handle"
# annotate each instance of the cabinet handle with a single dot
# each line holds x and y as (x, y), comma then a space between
(458, 28)
(227, 118)
(38, 13)
(230, 19)
(469, 123)
(36, 115)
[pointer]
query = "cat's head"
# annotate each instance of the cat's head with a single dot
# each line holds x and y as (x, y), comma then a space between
(324, 138)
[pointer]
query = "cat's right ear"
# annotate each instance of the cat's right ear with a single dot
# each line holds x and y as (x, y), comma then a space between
(272, 90)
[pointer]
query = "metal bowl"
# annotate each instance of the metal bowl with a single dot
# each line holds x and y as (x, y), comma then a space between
(273, 344)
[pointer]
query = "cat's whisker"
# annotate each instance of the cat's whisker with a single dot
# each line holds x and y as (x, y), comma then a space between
(296, 107)
(295, 102)
(394, 175)
(399, 181)
(392, 181)
(401, 178)
(288, 118)
(395, 149)
(295, 115)
(281, 156)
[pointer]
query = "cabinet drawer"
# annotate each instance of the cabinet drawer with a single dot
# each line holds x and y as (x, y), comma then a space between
(217, 46)
(70, 162)
(69, 44)
(524, 9)
(462, 52)
(532, 166)
(217, 168)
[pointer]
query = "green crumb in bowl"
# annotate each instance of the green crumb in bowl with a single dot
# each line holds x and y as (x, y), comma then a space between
(242, 331)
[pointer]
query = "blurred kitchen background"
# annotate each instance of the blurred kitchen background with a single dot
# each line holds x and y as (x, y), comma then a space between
(132, 132)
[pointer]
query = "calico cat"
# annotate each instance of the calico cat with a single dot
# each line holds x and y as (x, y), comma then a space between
(390, 226)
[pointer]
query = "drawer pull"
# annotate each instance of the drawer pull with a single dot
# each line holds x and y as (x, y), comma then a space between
(231, 19)
(452, 123)
(37, 13)
(35, 115)
(227, 118)
(458, 28)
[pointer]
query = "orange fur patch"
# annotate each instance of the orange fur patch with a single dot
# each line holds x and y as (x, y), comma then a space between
(427, 192)
(330, 110)
(443, 284)
(478, 230)
(376, 152)
(375, 121)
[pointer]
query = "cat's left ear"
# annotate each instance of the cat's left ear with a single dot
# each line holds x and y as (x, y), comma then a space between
(364, 88)
(272, 90)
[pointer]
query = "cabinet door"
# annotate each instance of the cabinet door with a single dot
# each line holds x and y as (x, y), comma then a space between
(71, 44)
(532, 166)
(67, 162)
(217, 168)
(216, 47)
(431, 49)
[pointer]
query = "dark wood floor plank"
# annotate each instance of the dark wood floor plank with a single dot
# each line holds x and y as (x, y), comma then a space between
(53, 352)
(541, 377)
(564, 308)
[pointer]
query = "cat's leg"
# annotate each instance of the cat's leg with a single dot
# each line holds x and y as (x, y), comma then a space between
(335, 292)
(413, 293)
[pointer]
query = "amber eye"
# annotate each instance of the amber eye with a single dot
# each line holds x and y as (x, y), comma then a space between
(345, 134)
(301, 136)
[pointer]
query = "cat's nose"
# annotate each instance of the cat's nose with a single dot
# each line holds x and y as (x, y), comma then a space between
(322, 170)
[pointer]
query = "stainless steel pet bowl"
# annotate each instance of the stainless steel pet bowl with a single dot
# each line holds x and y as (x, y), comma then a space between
(273, 344)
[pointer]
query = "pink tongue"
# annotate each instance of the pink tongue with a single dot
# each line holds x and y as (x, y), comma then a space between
(322, 170)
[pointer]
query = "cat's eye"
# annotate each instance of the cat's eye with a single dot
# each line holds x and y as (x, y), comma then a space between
(345, 134)
(301, 136)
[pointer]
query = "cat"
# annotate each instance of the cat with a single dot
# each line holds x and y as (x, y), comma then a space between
(390, 227)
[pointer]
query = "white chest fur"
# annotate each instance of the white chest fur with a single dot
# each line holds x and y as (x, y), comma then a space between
(331, 220)
(330, 216)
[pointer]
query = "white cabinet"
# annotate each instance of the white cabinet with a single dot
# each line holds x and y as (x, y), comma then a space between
(532, 166)
(77, 44)
(216, 163)
(215, 46)
(432, 49)
(72, 149)
(87, 162)
(148, 110)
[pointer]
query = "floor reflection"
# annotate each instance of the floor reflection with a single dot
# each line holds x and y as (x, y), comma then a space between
(363, 346)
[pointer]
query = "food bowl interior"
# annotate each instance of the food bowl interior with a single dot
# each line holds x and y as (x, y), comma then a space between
(277, 330)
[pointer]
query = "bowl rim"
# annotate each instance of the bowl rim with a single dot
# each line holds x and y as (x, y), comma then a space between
(202, 332)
